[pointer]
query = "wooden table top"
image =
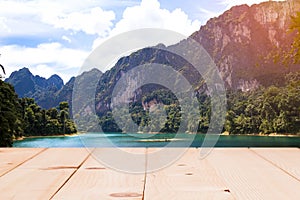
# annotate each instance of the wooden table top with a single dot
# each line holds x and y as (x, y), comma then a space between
(226, 173)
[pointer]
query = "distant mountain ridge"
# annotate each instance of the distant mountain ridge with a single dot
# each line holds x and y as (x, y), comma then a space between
(26, 84)
(47, 93)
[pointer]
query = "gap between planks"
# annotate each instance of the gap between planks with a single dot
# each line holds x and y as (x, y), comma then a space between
(24, 161)
(71, 175)
(274, 164)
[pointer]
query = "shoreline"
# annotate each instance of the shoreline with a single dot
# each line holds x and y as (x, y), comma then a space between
(228, 134)
(272, 135)
(223, 134)
(265, 134)
(49, 136)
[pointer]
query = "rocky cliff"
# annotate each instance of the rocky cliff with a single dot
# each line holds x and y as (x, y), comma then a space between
(242, 39)
(242, 42)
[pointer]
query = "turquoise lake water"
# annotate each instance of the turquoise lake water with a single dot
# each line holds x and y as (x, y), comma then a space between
(158, 140)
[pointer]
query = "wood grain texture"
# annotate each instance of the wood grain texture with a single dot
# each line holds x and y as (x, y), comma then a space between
(95, 181)
(41, 176)
(12, 157)
(58, 158)
(287, 159)
(249, 176)
(187, 178)
(32, 183)
(226, 173)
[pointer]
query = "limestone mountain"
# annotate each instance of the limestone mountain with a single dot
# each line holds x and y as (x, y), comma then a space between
(242, 40)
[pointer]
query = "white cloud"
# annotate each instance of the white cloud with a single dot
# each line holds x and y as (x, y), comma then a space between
(3, 25)
(95, 21)
(41, 59)
(148, 14)
(66, 38)
(36, 17)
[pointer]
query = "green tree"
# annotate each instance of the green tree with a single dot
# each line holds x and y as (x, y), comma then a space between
(64, 106)
(46, 122)
(53, 127)
(1, 66)
(63, 116)
(52, 113)
(67, 125)
(295, 52)
(10, 120)
(24, 116)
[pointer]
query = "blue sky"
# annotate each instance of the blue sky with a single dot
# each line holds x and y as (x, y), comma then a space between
(55, 36)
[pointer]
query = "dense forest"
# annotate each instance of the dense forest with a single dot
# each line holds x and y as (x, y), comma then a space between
(23, 117)
(266, 110)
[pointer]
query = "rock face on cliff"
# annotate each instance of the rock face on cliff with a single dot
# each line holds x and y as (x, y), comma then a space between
(241, 40)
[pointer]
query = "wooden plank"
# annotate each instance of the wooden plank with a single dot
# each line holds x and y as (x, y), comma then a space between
(188, 178)
(43, 175)
(58, 158)
(287, 159)
(249, 176)
(12, 157)
(95, 181)
(32, 183)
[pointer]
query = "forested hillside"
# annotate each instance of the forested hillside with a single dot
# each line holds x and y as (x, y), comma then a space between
(256, 50)
(23, 117)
